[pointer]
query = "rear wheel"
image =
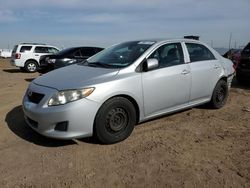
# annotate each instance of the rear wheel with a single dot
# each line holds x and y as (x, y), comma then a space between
(220, 95)
(115, 120)
(31, 66)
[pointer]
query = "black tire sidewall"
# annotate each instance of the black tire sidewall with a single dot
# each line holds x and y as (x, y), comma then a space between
(214, 103)
(100, 130)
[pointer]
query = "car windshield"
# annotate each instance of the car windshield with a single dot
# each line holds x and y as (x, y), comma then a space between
(120, 55)
(66, 51)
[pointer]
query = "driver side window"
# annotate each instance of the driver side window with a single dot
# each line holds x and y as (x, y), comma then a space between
(169, 55)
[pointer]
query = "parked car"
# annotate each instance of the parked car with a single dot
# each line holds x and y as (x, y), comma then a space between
(26, 55)
(243, 68)
(66, 57)
(234, 55)
(5, 53)
(125, 84)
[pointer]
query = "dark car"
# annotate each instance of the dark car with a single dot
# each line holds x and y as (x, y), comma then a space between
(243, 68)
(66, 57)
(234, 55)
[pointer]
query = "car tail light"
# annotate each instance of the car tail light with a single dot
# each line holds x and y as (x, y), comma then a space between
(17, 56)
(234, 66)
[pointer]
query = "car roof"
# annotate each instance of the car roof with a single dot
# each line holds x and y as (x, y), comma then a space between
(78, 47)
(35, 44)
(160, 40)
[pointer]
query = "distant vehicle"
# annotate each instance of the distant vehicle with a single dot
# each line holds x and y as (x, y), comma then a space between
(26, 55)
(66, 57)
(127, 83)
(243, 68)
(5, 53)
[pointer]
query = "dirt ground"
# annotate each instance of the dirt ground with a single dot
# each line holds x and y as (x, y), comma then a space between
(199, 147)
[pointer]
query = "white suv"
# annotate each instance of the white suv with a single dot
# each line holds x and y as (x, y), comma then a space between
(26, 55)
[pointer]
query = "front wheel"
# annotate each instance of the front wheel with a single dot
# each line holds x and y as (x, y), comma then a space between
(115, 120)
(220, 95)
(31, 66)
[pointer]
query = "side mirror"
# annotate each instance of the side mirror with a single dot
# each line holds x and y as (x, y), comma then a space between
(151, 64)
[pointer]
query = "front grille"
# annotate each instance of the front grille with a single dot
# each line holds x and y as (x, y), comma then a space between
(35, 97)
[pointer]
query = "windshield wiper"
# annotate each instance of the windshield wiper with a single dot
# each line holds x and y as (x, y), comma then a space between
(99, 64)
(83, 62)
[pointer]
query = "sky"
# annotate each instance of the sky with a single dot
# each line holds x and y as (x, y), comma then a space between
(66, 23)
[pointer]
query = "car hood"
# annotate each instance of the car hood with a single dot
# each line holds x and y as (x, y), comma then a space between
(75, 76)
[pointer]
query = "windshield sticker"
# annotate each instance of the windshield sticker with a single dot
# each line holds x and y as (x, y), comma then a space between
(146, 42)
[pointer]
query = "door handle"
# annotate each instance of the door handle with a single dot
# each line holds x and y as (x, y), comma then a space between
(185, 72)
(36, 55)
(216, 66)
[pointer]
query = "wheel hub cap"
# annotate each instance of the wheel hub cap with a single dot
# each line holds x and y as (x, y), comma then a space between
(117, 119)
(32, 67)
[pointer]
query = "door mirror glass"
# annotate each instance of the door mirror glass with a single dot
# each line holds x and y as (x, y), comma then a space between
(151, 64)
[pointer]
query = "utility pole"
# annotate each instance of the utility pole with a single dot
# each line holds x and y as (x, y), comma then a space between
(230, 40)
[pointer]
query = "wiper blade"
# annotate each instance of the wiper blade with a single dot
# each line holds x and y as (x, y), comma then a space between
(98, 64)
(84, 62)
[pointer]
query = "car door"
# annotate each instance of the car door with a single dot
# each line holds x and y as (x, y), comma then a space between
(168, 86)
(206, 70)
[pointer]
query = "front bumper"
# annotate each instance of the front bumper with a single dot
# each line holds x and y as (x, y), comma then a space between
(79, 115)
(230, 79)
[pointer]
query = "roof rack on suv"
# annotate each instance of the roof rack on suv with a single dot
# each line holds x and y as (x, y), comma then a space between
(33, 43)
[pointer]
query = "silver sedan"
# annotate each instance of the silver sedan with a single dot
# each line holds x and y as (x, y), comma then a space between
(125, 84)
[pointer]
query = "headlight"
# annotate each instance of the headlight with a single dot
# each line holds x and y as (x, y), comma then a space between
(51, 61)
(63, 97)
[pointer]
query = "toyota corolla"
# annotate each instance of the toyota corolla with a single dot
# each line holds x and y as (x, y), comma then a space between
(127, 83)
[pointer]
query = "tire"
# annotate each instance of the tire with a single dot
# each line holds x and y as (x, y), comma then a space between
(115, 120)
(31, 66)
(220, 95)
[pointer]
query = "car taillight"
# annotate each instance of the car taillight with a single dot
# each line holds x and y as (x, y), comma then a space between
(234, 66)
(17, 56)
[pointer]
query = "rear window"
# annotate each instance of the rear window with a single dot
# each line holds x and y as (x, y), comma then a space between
(14, 49)
(52, 50)
(77, 54)
(25, 48)
(98, 49)
(198, 52)
(88, 52)
(40, 49)
(67, 52)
